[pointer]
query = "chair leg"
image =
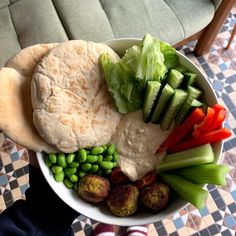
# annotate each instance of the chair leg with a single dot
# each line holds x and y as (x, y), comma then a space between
(231, 38)
(209, 35)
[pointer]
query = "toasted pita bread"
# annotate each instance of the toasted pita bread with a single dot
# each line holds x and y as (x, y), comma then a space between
(16, 113)
(72, 106)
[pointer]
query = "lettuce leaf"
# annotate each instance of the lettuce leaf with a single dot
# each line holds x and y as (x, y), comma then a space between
(146, 61)
(123, 87)
(171, 58)
(127, 77)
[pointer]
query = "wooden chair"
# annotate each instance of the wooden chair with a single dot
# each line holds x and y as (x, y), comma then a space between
(207, 36)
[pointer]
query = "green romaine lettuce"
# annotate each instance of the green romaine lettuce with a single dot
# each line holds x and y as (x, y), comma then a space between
(124, 88)
(171, 58)
(127, 77)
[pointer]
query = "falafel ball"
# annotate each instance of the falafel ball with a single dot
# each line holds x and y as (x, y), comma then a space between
(123, 200)
(93, 188)
(156, 196)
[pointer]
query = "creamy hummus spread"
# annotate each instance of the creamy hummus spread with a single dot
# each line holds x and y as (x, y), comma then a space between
(136, 142)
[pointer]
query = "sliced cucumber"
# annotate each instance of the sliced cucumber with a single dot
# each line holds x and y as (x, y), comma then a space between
(173, 108)
(151, 92)
(166, 95)
(196, 103)
(189, 79)
(193, 93)
(175, 78)
(182, 69)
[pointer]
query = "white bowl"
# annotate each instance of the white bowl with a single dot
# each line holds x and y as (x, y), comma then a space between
(100, 212)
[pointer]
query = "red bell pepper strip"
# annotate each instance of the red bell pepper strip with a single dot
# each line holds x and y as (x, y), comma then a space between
(147, 180)
(204, 126)
(218, 120)
(211, 137)
(182, 130)
(218, 107)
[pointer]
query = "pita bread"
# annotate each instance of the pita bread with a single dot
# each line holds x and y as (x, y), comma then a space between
(16, 113)
(72, 106)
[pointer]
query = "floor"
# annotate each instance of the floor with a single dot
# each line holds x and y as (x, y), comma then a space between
(219, 215)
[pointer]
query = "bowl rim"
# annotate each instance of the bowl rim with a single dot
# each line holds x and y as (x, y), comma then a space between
(124, 221)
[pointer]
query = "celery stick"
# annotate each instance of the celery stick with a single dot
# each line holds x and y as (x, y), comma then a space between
(205, 174)
(191, 157)
(186, 189)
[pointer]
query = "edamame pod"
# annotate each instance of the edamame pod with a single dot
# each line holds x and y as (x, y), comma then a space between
(57, 169)
(70, 170)
(70, 157)
(94, 168)
(68, 183)
(74, 164)
(111, 149)
(74, 178)
(108, 158)
(48, 162)
(53, 158)
(59, 177)
(106, 165)
(92, 158)
(115, 156)
(97, 150)
(107, 172)
(82, 174)
(86, 166)
(76, 187)
(104, 147)
(100, 159)
(61, 160)
(82, 156)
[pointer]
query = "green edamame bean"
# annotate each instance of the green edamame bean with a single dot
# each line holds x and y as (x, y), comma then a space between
(97, 150)
(92, 158)
(86, 166)
(70, 157)
(70, 170)
(59, 177)
(100, 159)
(82, 174)
(82, 155)
(68, 183)
(111, 149)
(107, 172)
(74, 164)
(106, 165)
(74, 178)
(115, 156)
(76, 187)
(114, 164)
(57, 169)
(108, 158)
(88, 151)
(94, 168)
(104, 147)
(61, 160)
(48, 162)
(53, 158)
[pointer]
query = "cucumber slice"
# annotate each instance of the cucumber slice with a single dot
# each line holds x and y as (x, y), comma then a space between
(193, 93)
(166, 95)
(195, 103)
(173, 108)
(181, 68)
(189, 79)
(151, 92)
(174, 78)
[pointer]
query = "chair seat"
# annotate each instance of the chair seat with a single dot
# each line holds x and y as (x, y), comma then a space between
(27, 22)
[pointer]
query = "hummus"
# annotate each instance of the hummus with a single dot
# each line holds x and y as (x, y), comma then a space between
(136, 142)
